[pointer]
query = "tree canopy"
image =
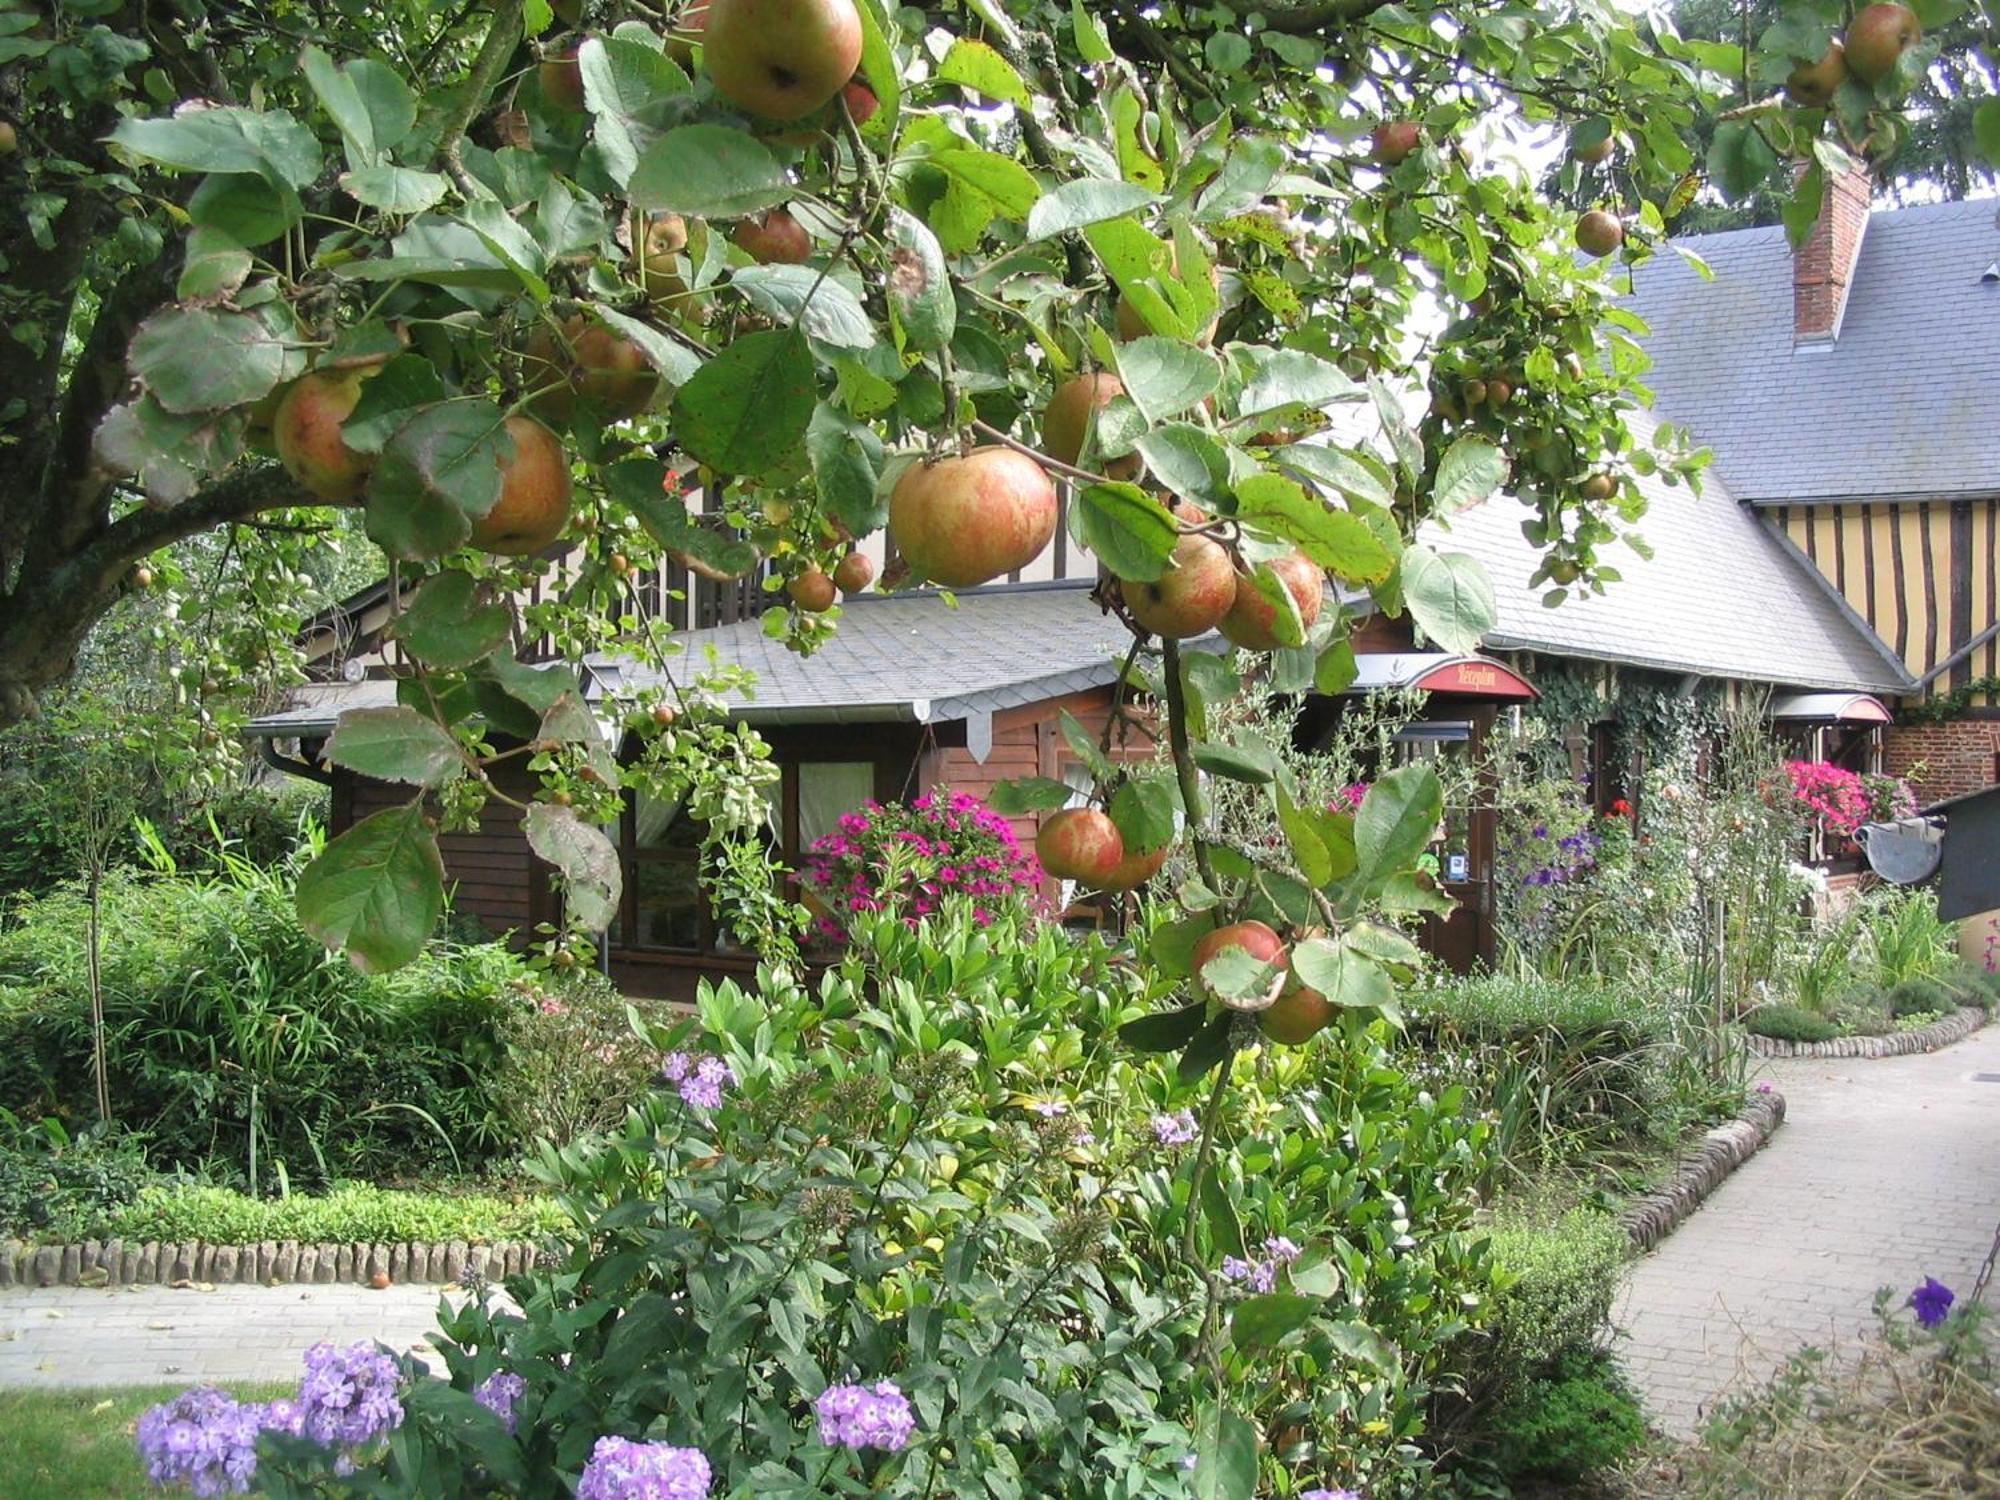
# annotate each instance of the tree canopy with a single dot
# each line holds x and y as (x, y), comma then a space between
(504, 275)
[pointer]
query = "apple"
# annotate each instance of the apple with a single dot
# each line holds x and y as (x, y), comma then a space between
(1598, 486)
(1297, 1015)
(1877, 37)
(1069, 413)
(1192, 595)
(1499, 392)
(533, 507)
(967, 520)
(692, 21)
(1812, 85)
(1251, 617)
(854, 572)
(1135, 869)
(1475, 392)
(773, 238)
(1080, 844)
(600, 365)
(10, 139)
(1131, 324)
(142, 577)
(811, 591)
(1254, 938)
(661, 246)
(781, 59)
(1391, 142)
(1595, 153)
(306, 430)
(861, 101)
(1599, 233)
(562, 79)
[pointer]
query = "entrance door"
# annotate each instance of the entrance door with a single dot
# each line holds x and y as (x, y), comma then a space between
(1452, 735)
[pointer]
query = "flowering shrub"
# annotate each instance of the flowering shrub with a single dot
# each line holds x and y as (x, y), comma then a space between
(1840, 801)
(572, 1062)
(910, 859)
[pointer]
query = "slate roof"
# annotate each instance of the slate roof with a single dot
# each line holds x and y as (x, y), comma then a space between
(1905, 403)
(901, 657)
(1722, 596)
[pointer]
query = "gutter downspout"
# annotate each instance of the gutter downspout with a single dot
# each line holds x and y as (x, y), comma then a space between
(267, 751)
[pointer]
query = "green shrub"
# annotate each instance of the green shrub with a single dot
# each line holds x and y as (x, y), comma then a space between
(232, 1035)
(1581, 1419)
(573, 1063)
(1978, 985)
(1784, 1022)
(58, 1187)
(350, 1212)
(1905, 937)
(1922, 997)
(1556, 1305)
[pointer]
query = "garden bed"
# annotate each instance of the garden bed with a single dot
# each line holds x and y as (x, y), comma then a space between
(1939, 1033)
(1653, 1216)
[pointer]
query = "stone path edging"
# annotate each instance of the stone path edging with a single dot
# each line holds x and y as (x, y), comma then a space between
(1701, 1171)
(1896, 1044)
(269, 1263)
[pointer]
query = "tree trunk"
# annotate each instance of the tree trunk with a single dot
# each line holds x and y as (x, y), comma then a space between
(97, 1059)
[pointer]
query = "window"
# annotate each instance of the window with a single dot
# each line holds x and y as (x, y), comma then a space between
(665, 908)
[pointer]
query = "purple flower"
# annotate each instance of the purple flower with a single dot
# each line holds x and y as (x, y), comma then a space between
(621, 1469)
(348, 1398)
(1763, 1085)
(498, 1392)
(1932, 1301)
(1258, 1275)
(860, 1416)
(1282, 1250)
(1326, 1494)
(1048, 1109)
(1175, 1129)
(675, 1068)
(207, 1440)
(703, 1088)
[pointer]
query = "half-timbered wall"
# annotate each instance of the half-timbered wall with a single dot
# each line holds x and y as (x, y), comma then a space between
(1924, 573)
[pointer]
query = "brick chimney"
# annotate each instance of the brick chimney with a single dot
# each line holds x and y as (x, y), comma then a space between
(1823, 267)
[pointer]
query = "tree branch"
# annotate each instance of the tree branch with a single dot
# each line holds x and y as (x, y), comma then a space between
(501, 39)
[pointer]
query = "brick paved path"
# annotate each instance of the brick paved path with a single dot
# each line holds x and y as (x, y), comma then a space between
(63, 1336)
(1883, 1173)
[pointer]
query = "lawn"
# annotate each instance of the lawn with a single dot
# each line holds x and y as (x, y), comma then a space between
(76, 1444)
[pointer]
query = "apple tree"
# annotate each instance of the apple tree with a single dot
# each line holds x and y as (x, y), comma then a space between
(1267, 287)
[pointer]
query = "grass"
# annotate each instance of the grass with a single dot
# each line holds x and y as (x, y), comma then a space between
(76, 1444)
(352, 1211)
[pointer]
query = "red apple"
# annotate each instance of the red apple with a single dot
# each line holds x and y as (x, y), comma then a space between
(966, 521)
(854, 572)
(306, 432)
(1254, 938)
(1812, 85)
(1191, 597)
(1297, 1015)
(774, 238)
(1080, 844)
(781, 59)
(562, 79)
(602, 366)
(1877, 38)
(533, 507)
(1251, 617)
(1134, 870)
(1391, 142)
(692, 21)
(861, 101)
(1070, 411)
(1599, 233)
(811, 591)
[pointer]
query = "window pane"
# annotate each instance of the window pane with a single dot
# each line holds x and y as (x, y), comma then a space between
(659, 825)
(828, 788)
(669, 900)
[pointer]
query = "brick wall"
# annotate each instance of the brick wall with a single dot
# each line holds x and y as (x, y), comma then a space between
(1943, 760)
(1824, 265)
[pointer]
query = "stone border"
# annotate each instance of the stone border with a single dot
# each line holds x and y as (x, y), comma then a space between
(1701, 1170)
(1895, 1044)
(107, 1263)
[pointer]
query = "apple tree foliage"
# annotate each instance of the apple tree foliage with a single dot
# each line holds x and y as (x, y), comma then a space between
(216, 199)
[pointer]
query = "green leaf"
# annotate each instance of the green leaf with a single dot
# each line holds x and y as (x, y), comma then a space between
(847, 458)
(395, 190)
(377, 890)
(750, 404)
(247, 208)
(1086, 201)
(1450, 596)
(878, 66)
(636, 484)
(1187, 461)
(1383, 944)
(978, 186)
(439, 472)
(1363, 1345)
(976, 66)
(537, 688)
(1240, 981)
(1083, 746)
(368, 102)
(1127, 530)
(1166, 1031)
(445, 625)
(812, 299)
(169, 452)
(1208, 1050)
(920, 293)
(1171, 947)
(710, 172)
(1347, 978)
(1309, 851)
(1801, 210)
(675, 362)
(1470, 471)
(1260, 1324)
(1398, 815)
(1253, 764)
(1986, 130)
(1290, 377)
(212, 268)
(1164, 377)
(1739, 159)
(1336, 669)
(1337, 540)
(389, 398)
(1358, 476)
(1225, 1456)
(204, 359)
(1025, 794)
(1091, 42)
(1144, 814)
(587, 859)
(1286, 623)
(633, 92)
(395, 744)
(274, 146)
(1227, 53)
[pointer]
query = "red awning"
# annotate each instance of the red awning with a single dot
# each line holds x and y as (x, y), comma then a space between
(1469, 676)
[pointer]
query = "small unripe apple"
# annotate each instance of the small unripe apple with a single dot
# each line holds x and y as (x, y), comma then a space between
(142, 577)
(1475, 392)
(380, 1281)
(1599, 233)
(774, 238)
(562, 79)
(854, 572)
(1598, 486)
(663, 714)
(1877, 38)
(811, 591)
(10, 139)
(1080, 844)
(1499, 392)
(561, 799)
(1391, 142)
(1812, 85)
(1597, 151)
(619, 564)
